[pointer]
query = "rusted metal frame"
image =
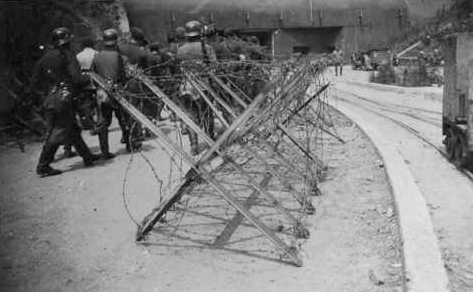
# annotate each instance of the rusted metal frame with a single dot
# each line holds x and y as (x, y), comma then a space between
(175, 108)
(318, 126)
(294, 141)
(216, 148)
(202, 171)
(231, 227)
(207, 88)
(291, 139)
(232, 84)
(291, 143)
(278, 156)
(228, 90)
(270, 197)
(282, 94)
(286, 133)
(247, 114)
(312, 184)
(306, 103)
(321, 118)
(301, 198)
(206, 99)
(286, 90)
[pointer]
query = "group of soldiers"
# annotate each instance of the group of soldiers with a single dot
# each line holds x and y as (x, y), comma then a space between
(66, 91)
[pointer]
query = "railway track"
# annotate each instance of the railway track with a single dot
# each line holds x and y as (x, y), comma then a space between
(467, 173)
(400, 109)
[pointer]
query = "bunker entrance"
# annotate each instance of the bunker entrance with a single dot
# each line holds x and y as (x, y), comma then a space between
(264, 36)
(306, 40)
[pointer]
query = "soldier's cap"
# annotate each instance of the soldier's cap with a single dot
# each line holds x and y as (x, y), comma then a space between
(61, 36)
(110, 37)
(180, 32)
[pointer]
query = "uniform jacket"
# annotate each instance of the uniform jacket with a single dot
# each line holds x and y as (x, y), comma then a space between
(193, 51)
(135, 54)
(59, 114)
(110, 65)
(54, 68)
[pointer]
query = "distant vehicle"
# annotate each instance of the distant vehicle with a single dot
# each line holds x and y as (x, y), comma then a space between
(370, 60)
(380, 57)
(457, 111)
(357, 61)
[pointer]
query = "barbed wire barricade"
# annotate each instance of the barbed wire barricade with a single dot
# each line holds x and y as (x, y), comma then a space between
(265, 151)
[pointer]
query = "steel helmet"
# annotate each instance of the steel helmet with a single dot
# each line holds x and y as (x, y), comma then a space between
(137, 34)
(61, 36)
(180, 32)
(193, 28)
(110, 37)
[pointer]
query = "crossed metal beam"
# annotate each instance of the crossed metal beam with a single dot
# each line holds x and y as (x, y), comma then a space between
(217, 155)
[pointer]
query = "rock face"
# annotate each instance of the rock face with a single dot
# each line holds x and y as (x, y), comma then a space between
(25, 25)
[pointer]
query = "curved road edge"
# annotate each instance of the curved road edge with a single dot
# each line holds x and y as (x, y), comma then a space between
(424, 270)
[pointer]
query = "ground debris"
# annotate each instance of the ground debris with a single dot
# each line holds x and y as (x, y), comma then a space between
(374, 279)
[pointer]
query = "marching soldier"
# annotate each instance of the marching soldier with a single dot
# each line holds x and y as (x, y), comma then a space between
(135, 50)
(57, 76)
(110, 64)
(200, 53)
(338, 59)
(136, 53)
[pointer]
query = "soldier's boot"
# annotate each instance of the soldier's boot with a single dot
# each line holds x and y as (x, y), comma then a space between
(104, 148)
(46, 170)
(47, 156)
(194, 143)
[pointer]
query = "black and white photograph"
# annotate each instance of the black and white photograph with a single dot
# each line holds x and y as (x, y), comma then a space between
(236, 145)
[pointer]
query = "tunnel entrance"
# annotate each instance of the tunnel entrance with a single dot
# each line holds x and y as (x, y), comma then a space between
(264, 36)
(306, 40)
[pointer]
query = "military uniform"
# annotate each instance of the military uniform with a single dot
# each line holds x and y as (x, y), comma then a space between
(135, 54)
(110, 65)
(138, 56)
(57, 77)
(196, 107)
(338, 61)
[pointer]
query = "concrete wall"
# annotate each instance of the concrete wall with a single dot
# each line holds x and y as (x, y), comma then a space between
(457, 54)
(316, 40)
(365, 26)
(423, 10)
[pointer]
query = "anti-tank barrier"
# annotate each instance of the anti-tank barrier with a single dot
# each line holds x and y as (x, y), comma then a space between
(260, 139)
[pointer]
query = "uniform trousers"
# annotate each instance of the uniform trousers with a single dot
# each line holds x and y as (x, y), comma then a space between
(52, 144)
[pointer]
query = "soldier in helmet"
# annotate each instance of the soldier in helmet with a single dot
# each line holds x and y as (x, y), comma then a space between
(136, 54)
(196, 53)
(135, 50)
(180, 35)
(110, 64)
(58, 78)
